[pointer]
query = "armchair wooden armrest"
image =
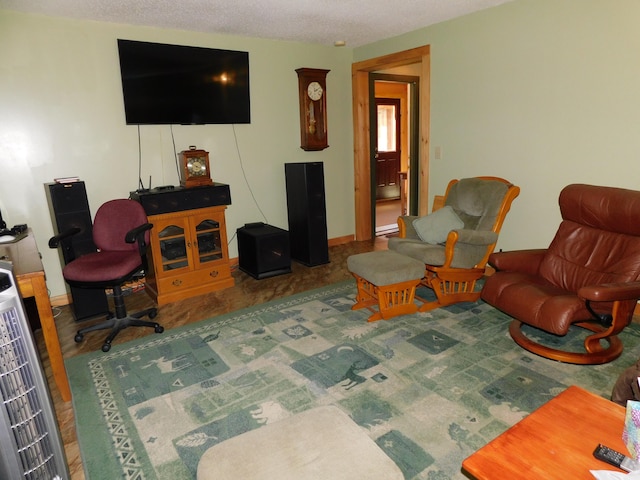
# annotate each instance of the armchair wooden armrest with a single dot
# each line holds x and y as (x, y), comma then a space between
(472, 237)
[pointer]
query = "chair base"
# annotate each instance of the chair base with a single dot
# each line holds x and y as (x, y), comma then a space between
(451, 285)
(118, 324)
(392, 300)
(595, 353)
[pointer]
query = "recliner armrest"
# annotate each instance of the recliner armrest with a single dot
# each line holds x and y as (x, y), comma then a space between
(524, 261)
(611, 292)
(54, 241)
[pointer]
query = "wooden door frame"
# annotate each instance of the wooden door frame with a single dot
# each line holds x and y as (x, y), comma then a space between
(362, 128)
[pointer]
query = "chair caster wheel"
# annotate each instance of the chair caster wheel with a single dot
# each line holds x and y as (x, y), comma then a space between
(159, 329)
(106, 347)
(78, 338)
(153, 314)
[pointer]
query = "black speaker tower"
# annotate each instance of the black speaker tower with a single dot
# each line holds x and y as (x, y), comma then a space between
(307, 213)
(69, 208)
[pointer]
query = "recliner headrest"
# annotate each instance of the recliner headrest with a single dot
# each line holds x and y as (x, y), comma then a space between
(605, 208)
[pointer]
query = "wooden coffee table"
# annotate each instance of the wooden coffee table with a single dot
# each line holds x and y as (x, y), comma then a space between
(555, 442)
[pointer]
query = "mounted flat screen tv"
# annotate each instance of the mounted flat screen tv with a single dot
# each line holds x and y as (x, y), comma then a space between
(174, 84)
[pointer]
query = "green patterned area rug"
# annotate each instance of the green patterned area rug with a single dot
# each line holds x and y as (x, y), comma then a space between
(429, 388)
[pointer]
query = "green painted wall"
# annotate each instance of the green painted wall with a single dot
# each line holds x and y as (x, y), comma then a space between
(542, 92)
(61, 114)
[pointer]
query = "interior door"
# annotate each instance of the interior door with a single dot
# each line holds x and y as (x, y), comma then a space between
(388, 148)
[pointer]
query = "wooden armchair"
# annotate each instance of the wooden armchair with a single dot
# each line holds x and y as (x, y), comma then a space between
(453, 266)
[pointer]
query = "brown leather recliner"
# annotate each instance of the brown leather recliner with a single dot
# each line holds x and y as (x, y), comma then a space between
(588, 276)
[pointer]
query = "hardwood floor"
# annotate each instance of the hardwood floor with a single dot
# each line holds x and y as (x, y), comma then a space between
(246, 292)
(387, 212)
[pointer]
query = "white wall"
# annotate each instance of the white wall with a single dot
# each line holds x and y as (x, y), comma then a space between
(61, 114)
(541, 92)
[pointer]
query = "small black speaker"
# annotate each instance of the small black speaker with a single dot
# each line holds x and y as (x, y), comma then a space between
(263, 250)
(69, 208)
(306, 211)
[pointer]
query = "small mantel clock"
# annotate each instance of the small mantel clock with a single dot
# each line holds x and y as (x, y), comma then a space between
(194, 168)
(312, 93)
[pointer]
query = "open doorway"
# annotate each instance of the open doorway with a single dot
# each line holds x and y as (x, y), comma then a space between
(394, 145)
(364, 186)
(386, 163)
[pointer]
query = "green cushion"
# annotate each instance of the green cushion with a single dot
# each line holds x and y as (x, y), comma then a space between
(384, 267)
(435, 227)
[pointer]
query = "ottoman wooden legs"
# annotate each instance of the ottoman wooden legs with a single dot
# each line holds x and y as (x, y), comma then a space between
(387, 279)
(392, 300)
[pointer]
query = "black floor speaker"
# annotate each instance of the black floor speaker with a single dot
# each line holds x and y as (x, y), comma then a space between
(307, 213)
(69, 208)
(263, 250)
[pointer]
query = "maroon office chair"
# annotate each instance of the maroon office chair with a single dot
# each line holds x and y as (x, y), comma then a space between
(121, 235)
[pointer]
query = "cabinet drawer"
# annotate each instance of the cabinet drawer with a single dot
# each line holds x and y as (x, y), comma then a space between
(204, 276)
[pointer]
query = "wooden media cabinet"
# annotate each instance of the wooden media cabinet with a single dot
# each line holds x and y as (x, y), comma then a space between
(189, 254)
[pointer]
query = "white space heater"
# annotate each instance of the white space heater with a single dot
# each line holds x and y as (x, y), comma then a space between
(30, 443)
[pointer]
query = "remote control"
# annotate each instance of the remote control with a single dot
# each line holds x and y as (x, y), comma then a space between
(616, 459)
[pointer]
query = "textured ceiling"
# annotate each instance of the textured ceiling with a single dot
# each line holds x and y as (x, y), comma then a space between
(357, 22)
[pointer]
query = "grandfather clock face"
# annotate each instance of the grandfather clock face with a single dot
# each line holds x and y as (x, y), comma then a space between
(313, 108)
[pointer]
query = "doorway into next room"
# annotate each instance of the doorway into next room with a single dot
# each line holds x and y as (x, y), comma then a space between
(390, 164)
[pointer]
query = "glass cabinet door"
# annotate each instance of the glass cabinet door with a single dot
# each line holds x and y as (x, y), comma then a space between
(173, 247)
(208, 241)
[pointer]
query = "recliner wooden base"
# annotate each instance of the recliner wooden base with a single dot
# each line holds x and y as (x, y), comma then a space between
(595, 353)
(450, 285)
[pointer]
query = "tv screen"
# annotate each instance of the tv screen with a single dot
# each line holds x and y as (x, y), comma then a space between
(174, 84)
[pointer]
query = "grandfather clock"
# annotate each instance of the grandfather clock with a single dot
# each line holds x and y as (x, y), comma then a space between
(312, 94)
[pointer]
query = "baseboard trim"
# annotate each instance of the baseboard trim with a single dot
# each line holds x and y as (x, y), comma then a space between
(341, 240)
(60, 300)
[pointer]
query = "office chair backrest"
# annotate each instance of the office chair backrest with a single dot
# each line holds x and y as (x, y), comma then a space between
(112, 222)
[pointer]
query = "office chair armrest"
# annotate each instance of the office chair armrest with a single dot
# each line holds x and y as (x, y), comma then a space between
(55, 241)
(523, 261)
(137, 234)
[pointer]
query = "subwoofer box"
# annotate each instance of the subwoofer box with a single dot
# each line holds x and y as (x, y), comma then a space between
(263, 250)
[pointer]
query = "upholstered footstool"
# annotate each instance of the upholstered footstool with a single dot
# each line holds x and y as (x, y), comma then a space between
(387, 279)
(320, 443)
